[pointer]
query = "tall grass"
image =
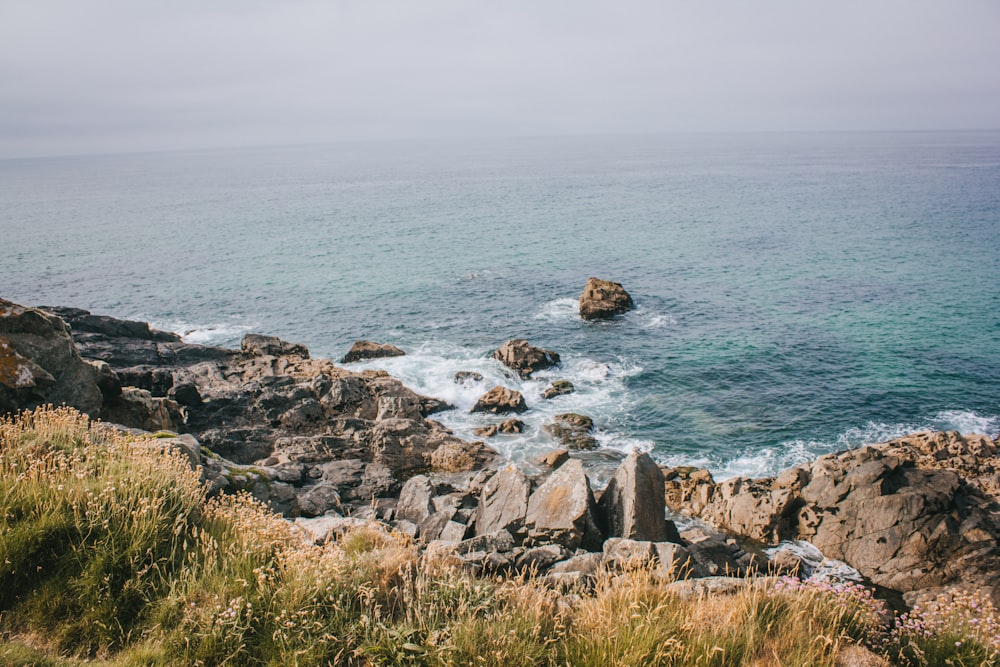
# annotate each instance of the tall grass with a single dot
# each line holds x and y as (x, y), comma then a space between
(111, 554)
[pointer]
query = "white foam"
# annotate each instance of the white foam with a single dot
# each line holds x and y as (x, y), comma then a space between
(560, 310)
(601, 393)
(224, 334)
(648, 319)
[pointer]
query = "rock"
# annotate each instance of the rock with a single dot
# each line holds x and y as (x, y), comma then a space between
(897, 512)
(524, 358)
(665, 560)
(688, 489)
(693, 589)
(82, 320)
(602, 299)
(553, 459)
(587, 563)
(467, 377)
(540, 559)
(633, 506)
(318, 500)
(499, 541)
(511, 426)
(499, 400)
(561, 510)
(258, 345)
(503, 502)
(325, 528)
(784, 562)
(366, 349)
(39, 363)
(626, 554)
(456, 455)
(415, 499)
(573, 430)
(559, 388)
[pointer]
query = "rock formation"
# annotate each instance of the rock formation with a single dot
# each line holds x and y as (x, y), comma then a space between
(518, 355)
(500, 400)
(573, 430)
(602, 299)
(366, 349)
(632, 505)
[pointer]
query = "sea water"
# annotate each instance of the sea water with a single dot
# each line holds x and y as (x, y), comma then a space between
(796, 293)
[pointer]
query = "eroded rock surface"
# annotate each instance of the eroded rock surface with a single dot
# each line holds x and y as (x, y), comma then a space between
(602, 299)
(524, 358)
(366, 349)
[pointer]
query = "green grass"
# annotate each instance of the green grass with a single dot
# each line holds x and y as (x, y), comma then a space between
(110, 554)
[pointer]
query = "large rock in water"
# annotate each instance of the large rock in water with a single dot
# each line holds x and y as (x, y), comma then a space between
(366, 349)
(39, 363)
(602, 299)
(910, 515)
(562, 509)
(500, 400)
(524, 358)
(633, 506)
(573, 430)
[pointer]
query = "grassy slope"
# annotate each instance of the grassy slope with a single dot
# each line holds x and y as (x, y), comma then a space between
(111, 554)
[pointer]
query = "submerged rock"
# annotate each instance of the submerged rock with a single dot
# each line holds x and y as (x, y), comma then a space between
(573, 430)
(558, 388)
(602, 299)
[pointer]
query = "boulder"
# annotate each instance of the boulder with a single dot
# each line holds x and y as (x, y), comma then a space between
(415, 499)
(499, 400)
(503, 502)
(558, 388)
(510, 427)
(366, 349)
(39, 363)
(523, 358)
(561, 510)
(456, 455)
(553, 459)
(602, 299)
(573, 430)
(633, 506)
(540, 559)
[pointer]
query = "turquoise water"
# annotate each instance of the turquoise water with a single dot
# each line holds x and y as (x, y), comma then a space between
(797, 293)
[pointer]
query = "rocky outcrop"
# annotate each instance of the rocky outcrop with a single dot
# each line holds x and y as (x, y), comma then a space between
(633, 506)
(573, 430)
(912, 515)
(366, 349)
(523, 358)
(39, 364)
(602, 299)
(503, 503)
(258, 345)
(500, 400)
(509, 426)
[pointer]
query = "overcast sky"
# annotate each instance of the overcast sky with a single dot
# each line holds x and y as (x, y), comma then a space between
(122, 75)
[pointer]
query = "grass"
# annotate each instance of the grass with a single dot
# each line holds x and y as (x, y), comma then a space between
(111, 554)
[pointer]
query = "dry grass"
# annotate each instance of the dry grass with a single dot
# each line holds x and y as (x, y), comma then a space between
(111, 554)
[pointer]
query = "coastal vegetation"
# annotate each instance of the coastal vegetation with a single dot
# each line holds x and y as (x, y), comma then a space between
(112, 553)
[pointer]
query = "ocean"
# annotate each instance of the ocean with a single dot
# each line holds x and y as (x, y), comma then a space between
(797, 293)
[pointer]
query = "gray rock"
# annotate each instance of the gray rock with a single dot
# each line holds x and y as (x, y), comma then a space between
(500, 541)
(258, 345)
(633, 504)
(588, 563)
(573, 431)
(503, 503)
(416, 499)
(561, 510)
(539, 559)
(319, 499)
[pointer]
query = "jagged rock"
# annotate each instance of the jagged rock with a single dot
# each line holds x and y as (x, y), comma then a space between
(561, 510)
(82, 320)
(573, 430)
(258, 345)
(553, 459)
(39, 363)
(587, 563)
(138, 408)
(503, 502)
(899, 512)
(559, 388)
(366, 349)
(499, 541)
(633, 506)
(499, 400)
(688, 489)
(456, 455)
(523, 358)
(602, 299)
(318, 500)
(416, 499)
(665, 560)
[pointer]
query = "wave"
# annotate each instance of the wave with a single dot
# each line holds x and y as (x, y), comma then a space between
(222, 334)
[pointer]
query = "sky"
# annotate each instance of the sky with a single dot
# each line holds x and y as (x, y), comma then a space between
(107, 76)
